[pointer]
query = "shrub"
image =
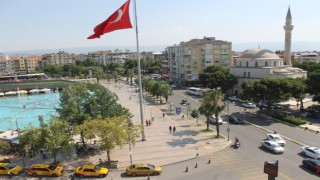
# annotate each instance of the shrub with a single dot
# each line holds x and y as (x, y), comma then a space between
(290, 119)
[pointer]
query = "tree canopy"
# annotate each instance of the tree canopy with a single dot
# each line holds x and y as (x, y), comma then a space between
(218, 77)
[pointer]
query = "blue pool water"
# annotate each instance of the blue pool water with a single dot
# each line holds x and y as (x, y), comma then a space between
(26, 109)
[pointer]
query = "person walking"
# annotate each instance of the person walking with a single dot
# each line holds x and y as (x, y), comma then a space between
(163, 114)
(147, 122)
(174, 129)
(170, 129)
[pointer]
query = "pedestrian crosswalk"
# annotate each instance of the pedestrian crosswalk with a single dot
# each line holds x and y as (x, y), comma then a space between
(238, 165)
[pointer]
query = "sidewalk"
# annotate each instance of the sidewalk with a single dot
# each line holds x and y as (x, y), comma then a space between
(161, 147)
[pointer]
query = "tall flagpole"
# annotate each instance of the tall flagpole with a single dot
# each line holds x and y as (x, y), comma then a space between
(139, 73)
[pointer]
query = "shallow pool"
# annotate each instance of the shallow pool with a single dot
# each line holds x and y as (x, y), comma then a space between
(26, 109)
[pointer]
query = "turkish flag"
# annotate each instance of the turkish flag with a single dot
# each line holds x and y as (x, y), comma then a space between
(118, 20)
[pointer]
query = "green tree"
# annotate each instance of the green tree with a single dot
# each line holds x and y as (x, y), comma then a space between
(195, 114)
(53, 70)
(131, 75)
(57, 139)
(211, 105)
(165, 91)
(313, 84)
(83, 101)
(218, 77)
(114, 132)
(4, 146)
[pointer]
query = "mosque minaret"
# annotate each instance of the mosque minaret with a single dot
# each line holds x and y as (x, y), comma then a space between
(287, 46)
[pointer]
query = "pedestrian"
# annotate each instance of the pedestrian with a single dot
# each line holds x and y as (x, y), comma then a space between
(147, 122)
(163, 115)
(174, 129)
(170, 129)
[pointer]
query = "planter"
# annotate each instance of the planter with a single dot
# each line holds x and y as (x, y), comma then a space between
(111, 165)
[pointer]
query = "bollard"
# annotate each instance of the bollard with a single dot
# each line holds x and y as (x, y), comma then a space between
(196, 165)
(187, 170)
(209, 161)
(197, 154)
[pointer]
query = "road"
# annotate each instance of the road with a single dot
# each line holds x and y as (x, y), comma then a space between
(251, 137)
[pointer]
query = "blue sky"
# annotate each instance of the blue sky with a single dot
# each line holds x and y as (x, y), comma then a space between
(51, 24)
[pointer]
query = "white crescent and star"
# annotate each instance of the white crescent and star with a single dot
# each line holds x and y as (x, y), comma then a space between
(119, 16)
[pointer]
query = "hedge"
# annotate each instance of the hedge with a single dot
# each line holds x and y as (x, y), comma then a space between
(290, 119)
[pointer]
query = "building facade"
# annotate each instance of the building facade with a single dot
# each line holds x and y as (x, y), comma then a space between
(256, 64)
(184, 62)
(61, 58)
(4, 63)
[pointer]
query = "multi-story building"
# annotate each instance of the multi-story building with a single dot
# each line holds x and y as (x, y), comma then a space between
(61, 58)
(24, 64)
(307, 56)
(184, 62)
(4, 63)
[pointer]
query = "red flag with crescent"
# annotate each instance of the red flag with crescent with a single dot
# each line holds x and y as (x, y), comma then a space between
(118, 20)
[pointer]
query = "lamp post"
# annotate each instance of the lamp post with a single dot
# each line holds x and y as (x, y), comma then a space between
(129, 139)
(15, 119)
(228, 129)
(151, 112)
(245, 112)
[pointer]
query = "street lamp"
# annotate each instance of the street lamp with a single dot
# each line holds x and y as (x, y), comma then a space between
(151, 112)
(129, 139)
(227, 108)
(244, 115)
(15, 119)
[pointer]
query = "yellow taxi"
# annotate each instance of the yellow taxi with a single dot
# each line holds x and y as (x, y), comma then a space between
(45, 170)
(143, 169)
(10, 169)
(91, 171)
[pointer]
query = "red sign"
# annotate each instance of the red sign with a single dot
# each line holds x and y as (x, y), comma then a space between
(271, 168)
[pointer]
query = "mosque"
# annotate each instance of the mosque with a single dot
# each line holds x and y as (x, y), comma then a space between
(256, 64)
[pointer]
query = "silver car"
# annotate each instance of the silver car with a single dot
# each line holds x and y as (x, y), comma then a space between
(272, 146)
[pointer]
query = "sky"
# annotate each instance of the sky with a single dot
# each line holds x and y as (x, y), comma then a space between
(59, 24)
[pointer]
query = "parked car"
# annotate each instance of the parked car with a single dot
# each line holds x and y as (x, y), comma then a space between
(91, 171)
(143, 169)
(212, 120)
(233, 98)
(185, 102)
(272, 146)
(313, 115)
(249, 105)
(235, 120)
(312, 152)
(45, 170)
(312, 164)
(276, 138)
(10, 168)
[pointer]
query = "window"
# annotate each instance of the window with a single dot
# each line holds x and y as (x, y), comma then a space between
(256, 64)
(266, 63)
(249, 74)
(247, 63)
(240, 63)
(274, 63)
(244, 74)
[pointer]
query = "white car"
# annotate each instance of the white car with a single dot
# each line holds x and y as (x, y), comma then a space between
(249, 105)
(212, 120)
(312, 152)
(276, 138)
(272, 146)
(233, 98)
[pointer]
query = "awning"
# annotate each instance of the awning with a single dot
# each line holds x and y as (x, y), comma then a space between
(22, 92)
(45, 90)
(10, 93)
(34, 91)
(1, 94)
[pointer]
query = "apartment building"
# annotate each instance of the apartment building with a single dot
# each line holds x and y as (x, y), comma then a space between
(61, 58)
(184, 62)
(24, 64)
(4, 63)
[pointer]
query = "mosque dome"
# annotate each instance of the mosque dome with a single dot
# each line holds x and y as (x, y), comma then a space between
(259, 54)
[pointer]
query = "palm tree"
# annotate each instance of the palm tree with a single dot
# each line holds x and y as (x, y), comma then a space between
(211, 105)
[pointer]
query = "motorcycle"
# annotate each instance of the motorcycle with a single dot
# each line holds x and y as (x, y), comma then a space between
(236, 145)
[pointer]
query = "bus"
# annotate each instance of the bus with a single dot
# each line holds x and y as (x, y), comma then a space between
(195, 91)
